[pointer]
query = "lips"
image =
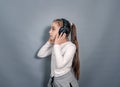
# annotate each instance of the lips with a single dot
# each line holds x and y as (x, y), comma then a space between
(50, 35)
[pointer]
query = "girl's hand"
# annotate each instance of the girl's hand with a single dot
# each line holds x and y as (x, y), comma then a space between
(60, 38)
(51, 41)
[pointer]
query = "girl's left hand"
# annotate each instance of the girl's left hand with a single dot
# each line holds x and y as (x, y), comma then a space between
(60, 38)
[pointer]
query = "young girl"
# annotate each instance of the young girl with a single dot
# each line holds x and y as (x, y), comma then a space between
(65, 64)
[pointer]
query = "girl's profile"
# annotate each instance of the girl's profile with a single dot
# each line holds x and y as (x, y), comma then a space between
(65, 64)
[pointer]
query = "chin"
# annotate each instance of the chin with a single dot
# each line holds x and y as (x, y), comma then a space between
(52, 38)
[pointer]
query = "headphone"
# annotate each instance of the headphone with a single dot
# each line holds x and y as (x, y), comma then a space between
(65, 27)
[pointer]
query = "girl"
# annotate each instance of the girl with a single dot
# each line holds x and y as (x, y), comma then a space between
(65, 64)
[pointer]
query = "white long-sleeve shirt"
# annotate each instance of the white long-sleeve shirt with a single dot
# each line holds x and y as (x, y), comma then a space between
(61, 56)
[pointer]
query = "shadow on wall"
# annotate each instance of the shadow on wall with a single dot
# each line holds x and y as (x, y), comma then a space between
(46, 64)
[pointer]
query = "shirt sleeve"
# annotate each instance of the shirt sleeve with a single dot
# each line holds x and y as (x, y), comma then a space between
(45, 50)
(62, 60)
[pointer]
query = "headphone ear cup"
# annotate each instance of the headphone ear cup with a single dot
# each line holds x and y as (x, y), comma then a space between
(63, 30)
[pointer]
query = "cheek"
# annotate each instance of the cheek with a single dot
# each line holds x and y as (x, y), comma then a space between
(55, 32)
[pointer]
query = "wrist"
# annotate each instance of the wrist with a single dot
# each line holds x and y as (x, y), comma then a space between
(57, 43)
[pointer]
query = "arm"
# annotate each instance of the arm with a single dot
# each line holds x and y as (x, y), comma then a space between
(66, 58)
(45, 50)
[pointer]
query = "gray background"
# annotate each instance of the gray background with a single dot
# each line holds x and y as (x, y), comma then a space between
(24, 26)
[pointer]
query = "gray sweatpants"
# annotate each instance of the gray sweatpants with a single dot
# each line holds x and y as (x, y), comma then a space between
(67, 80)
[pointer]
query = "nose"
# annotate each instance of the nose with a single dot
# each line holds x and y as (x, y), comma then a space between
(50, 32)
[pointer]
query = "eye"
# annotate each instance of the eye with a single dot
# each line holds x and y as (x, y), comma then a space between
(53, 29)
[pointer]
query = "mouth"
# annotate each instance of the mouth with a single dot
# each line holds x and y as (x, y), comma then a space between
(50, 35)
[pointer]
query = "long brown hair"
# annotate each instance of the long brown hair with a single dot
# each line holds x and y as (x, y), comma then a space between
(76, 61)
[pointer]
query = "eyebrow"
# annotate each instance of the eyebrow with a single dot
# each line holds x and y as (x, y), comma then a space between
(52, 27)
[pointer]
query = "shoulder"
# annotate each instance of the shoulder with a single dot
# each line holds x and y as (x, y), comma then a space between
(70, 45)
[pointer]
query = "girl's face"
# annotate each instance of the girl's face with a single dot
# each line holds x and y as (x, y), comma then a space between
(54, 30)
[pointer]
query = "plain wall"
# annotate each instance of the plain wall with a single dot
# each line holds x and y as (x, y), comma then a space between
(24, 26)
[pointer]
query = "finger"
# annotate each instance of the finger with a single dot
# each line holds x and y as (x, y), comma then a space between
(61, 34)
(64, 35)
(57, 35)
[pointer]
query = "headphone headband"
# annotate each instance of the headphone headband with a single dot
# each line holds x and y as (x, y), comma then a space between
(65, 22)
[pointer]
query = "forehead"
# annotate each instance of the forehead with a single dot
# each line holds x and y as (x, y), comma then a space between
(55, 24)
